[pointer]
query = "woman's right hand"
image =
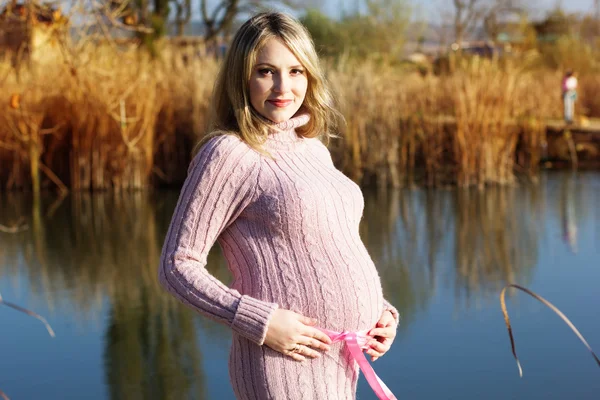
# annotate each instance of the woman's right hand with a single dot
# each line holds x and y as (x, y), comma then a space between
(295, 336)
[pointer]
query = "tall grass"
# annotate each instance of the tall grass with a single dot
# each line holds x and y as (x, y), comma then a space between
(461, 129)
(113, 118)
(589, 103)
(106, 119)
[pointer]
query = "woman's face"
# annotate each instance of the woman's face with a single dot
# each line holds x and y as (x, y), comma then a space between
(278, 82)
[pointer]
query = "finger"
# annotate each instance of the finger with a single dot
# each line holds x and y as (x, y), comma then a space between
(307, 321)
(379, 347)
(385, 322)
(318, 335)
(374, 354)
(390, 323)
(383, 340)
(314, 343)
(383, 332)
(308, 352)
(386, 316)
(296, 356)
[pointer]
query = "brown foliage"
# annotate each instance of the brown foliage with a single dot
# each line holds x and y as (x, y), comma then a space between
(113, 117)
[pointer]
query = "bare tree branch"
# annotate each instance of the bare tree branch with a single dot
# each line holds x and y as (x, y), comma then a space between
(494, 20)
(466, 15)
(183, 14)
(225, 13)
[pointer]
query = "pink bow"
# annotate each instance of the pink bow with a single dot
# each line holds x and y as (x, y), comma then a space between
(356, 342)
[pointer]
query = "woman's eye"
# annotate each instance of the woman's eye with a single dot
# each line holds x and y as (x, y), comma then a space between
(265, 71)
(270, 71)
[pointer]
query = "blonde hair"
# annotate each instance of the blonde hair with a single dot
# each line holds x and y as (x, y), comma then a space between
(231, 111)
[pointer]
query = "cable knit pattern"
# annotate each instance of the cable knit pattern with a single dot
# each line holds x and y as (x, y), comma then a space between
(288, 227)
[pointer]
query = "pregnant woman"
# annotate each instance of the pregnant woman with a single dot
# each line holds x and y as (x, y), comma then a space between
(263, 186)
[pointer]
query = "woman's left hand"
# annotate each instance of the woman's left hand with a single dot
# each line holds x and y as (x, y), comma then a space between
(383, 335)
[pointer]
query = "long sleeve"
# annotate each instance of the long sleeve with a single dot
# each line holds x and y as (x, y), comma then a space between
(221, 182)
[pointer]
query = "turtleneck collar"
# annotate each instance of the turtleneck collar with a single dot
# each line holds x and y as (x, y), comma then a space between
(282, 135)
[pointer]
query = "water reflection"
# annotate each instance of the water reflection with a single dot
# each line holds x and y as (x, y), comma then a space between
(402, 230)
(568, 211)
(496, 238)
(103, 248)
(494, 235)
(97, 251)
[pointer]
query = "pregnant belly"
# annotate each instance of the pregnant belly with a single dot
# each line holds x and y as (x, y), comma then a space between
(342, 295)
(354, 298)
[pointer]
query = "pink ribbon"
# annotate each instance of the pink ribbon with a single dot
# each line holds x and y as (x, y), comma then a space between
(356, 342)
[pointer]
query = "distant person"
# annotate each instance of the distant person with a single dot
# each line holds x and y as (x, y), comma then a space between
(264, 187)
(569, 95)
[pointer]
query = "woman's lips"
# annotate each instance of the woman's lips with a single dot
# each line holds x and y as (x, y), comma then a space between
(280, 103)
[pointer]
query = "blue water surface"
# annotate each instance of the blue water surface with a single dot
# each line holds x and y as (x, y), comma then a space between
(87, 263)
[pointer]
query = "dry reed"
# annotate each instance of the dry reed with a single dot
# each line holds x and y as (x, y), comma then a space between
(113, 118)
(550, 306)
(589, 103)
(99, 120)
(469, 128)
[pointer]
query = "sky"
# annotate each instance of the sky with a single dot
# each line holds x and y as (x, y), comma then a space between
(431, 9)
(427, 10)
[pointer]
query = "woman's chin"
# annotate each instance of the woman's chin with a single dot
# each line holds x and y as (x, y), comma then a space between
(279, 117)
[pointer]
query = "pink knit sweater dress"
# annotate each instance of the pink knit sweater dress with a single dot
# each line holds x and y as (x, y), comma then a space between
(288, 228)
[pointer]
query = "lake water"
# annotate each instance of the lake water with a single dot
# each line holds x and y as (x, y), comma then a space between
(89, 265)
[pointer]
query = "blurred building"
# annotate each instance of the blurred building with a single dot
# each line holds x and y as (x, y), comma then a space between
(509, 28)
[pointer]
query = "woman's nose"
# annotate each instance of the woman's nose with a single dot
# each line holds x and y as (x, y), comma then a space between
(281, 84)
